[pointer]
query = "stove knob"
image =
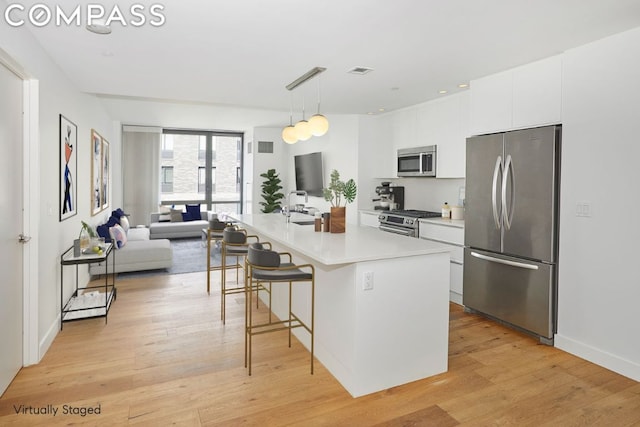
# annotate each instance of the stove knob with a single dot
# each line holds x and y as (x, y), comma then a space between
(409, 222)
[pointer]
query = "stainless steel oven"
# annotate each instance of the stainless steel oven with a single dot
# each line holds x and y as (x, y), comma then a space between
(418, 161)
(404, 222)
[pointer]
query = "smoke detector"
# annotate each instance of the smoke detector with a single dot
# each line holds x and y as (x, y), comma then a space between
(360, 70)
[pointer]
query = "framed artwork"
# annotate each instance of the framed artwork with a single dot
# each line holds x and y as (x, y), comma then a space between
(96, 175)
(104, 171)
(68, 168)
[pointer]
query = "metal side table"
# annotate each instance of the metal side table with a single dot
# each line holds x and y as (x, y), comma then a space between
(88, 302)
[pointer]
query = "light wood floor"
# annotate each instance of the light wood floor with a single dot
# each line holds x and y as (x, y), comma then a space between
(164, 358)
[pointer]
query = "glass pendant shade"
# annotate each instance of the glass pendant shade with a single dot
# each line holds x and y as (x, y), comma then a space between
(289, 135)
(319, 125)
(303, 130)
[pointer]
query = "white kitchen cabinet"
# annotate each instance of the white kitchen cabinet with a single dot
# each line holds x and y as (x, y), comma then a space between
(369, 218)
(490, 103)
(526, 96)
(537, 93)
(451, 233)
(445, 123)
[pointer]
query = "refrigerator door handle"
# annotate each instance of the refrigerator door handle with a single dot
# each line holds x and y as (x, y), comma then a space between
(507, 211)
(505, 261)
(494, 195)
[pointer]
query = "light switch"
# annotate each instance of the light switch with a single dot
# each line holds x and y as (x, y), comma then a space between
(583, 209)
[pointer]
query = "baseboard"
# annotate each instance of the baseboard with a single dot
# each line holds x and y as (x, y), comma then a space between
(607, 360)
(49, 336)
(455, 297)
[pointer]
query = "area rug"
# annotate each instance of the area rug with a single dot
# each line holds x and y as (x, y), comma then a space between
(189, 256)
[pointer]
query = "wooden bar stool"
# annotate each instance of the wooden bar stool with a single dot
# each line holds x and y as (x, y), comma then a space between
(266, 266)
(234, 244)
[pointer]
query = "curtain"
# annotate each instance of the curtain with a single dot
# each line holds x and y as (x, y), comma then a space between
(141, 172)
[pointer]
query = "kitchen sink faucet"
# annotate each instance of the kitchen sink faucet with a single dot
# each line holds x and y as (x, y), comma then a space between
(288, 207)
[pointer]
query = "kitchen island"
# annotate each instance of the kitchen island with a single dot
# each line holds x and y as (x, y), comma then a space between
(382, 300)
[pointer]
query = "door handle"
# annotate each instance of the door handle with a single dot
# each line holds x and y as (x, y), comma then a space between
(23, 239)
(507, 211)
(505, 261)
(494, 195)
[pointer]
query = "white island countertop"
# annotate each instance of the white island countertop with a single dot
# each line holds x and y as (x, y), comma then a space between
(357, 244)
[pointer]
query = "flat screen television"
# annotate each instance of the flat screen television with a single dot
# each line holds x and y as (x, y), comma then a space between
(309, 173)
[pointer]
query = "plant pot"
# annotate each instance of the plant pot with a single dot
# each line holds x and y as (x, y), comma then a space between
(338, 219)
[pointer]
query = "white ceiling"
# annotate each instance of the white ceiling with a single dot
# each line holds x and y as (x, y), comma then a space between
(244, 52)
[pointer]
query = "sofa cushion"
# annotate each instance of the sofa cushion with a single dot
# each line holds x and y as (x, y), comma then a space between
(138, 233)
(139, 255)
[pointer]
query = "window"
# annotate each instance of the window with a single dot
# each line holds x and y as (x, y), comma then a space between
(166, 177)
(167, 148)
(206, 169)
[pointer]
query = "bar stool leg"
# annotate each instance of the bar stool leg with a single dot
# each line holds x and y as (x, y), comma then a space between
(223, 284)
(290, 316)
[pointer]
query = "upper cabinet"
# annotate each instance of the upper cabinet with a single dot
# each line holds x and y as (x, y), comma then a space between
(522, 97)
(445, 123)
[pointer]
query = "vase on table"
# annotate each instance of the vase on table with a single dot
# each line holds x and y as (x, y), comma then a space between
(338, 219)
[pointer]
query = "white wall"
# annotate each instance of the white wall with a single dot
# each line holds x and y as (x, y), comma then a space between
(57, 96)
(599, 283)
(262, 162)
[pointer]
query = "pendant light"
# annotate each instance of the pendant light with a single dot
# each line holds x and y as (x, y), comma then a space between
(289, 132)
(302, 128)
(318, 123)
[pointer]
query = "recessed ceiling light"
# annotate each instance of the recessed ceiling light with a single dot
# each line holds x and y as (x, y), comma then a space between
(463, 85)
(442, 92)
(360, 70)
(395, 88)
(99, 27)
(381, 109)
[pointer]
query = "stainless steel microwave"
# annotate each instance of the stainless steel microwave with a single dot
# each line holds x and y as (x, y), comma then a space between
(418, 161)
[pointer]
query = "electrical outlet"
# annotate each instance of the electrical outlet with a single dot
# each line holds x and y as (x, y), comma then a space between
(367, 282)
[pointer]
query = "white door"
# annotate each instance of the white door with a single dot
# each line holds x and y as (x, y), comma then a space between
(11, 286)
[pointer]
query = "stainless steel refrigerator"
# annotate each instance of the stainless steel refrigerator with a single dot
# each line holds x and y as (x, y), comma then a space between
(511, 228)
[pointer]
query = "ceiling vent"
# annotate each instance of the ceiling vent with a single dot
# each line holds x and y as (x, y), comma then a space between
(360, 70)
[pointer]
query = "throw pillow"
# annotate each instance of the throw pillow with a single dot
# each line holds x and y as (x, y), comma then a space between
(103, 231)
(124, 223)
(176, 215)
(164, 217)
(163, 209)
(118, 236)
(194, 211)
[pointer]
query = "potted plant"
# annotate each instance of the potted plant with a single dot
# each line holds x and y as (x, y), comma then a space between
(271, 191)
(338, 192)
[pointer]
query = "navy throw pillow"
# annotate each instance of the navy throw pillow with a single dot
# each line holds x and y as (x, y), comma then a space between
(186, 216)
(194, 212)
(103, 231)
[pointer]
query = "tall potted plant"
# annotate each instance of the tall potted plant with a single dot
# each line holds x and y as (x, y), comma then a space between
(271, 191)
(338, 192)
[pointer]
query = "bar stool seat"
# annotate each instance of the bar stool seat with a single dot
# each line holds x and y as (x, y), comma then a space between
(264, 265)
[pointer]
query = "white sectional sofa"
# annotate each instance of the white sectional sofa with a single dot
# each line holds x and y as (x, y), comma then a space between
(139, 253)
(175, 230)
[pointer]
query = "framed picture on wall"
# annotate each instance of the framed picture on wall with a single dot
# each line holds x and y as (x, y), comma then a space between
(68, 168)
(96, 175)
(104, 172)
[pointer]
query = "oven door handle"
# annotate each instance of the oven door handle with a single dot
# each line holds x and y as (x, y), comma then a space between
(403, 232)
